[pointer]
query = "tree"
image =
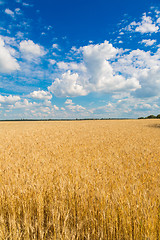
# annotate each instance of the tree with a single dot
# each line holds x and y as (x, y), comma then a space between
(151, 116)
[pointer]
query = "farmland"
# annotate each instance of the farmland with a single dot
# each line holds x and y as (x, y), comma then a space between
(80, 180)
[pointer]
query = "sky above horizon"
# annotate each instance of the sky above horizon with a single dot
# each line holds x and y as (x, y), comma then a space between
(79, 59)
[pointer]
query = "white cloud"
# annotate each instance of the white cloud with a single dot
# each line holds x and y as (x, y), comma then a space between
(146, 105)
(68, 85)
(69, 101)
(99, 68)
(136, 72)
(96, 75)
(49, 27)
(3, 29)
(104, 50)
(145, 68)
(150, 84)
(7, 62)
(30, 49)
(24, 3)
(52, 61)
(9, 40)
(71, 66)
(56, 108)
(75, 108)
(47, 102)
(145, 26)
(25, 104)
(45, 109)
(54, 54)
(158, 20)
(56, 46)
(9, 12)
(27, 4)
(135, 63)
(101, 74)
(126, 107)
(42, 95)
(72, 107)
(121, 33)
(109, 105)
(20, 35)
(148, 42)
(62, 65)
(18, 11)
(9, 99)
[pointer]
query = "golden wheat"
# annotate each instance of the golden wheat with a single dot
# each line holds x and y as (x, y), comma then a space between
(80, 180)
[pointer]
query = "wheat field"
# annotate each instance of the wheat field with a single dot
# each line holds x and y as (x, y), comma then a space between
(80, 180)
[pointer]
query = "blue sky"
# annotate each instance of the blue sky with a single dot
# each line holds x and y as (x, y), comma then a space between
(79, 59)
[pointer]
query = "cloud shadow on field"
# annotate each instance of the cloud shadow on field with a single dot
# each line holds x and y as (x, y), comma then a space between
(154, 125)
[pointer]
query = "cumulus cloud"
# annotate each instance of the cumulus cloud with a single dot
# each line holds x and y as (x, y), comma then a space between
(158, 20)
(27, 4)
(24, 104)
(72, 107)
(45, 110)
(145, 68)
(56, 46)
(103, 109)
(31, 49)
(47, 102)
(68, 85)
(52, 61)
(69, 101)
(7, 62)
(150, 84)
(18, 11)
(148, 42)
(9, 12)
(9, 40)
(76, 108)
(107, 70)
(136, 62)
(101, 76)
(56, 108)
(93, 74)
(9, 99)
(71, 66)
(145, 26)
(99, 68)
(41, 95)
(20, 35)
(126, 107)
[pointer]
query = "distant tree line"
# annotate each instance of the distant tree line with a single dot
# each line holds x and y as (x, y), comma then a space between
(150, 117)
